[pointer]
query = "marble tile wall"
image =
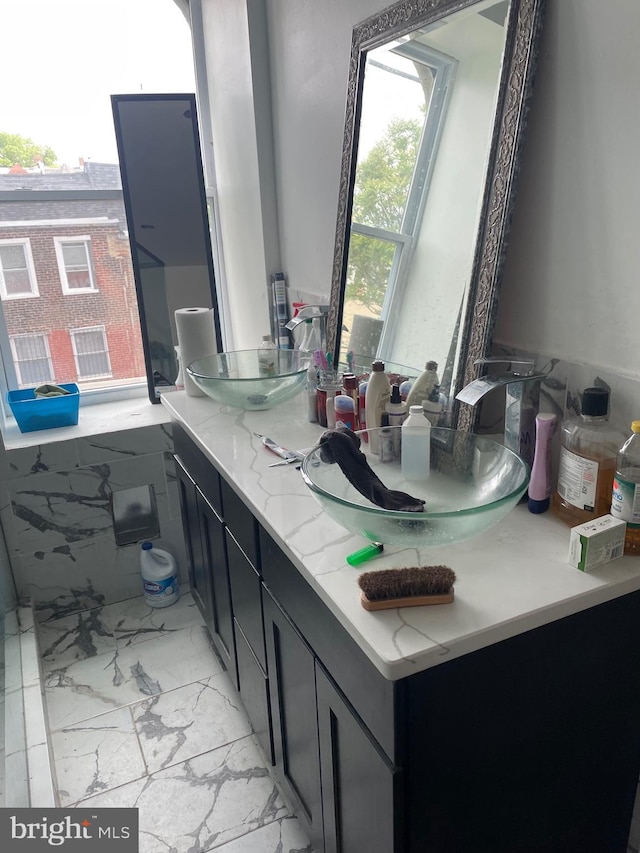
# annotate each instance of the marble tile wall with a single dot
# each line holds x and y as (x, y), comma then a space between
(56, 517)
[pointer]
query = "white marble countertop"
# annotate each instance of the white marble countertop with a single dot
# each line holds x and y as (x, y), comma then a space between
(511, 579)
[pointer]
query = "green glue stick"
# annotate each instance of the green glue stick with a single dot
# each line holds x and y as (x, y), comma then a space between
(365, 554)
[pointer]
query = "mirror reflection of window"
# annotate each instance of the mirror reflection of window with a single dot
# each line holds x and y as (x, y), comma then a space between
(403, 108)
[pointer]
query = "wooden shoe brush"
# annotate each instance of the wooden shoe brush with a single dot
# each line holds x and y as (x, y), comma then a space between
(408, 587)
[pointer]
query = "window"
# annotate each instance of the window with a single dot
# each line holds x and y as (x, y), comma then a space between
(61, 208)
(17, 274)
(32, 359)
(91, 352)
(74, 264)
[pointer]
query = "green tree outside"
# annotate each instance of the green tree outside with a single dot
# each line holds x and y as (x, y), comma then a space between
(380, 196)
(15, 148)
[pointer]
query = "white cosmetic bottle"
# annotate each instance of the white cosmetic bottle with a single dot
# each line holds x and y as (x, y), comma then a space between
(416, 445)
(424, 384)
(377, 397)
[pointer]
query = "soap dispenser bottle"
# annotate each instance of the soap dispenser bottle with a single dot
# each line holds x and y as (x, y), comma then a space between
(588, 451)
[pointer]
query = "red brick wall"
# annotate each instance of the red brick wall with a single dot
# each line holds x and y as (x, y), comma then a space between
(113, 305)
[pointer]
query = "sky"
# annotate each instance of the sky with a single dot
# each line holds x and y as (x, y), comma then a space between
(61, 60)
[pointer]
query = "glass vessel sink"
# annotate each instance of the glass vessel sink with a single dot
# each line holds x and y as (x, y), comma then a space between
(251, 379)
(473, 483)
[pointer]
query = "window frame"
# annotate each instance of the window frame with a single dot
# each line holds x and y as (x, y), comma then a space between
(17, 362)
(59, 242)
(25, 242)
(81, 329)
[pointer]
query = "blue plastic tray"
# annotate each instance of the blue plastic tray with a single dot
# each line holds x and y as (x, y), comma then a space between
(33, 413)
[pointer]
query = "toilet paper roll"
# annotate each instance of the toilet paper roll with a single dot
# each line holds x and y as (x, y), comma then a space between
(196, 338)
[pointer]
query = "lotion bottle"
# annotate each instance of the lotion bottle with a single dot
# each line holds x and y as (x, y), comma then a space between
(540, 483)
(424, 384)
(377, 397)
(416, 445)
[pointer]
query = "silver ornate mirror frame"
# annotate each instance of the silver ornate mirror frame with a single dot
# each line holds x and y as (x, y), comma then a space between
(525, 18)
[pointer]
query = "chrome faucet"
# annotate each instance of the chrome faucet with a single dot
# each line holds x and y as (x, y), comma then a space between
(522, 392)
(312, 312)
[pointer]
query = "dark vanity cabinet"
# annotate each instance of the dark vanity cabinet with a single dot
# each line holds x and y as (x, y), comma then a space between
(201, 509)
(530, 744)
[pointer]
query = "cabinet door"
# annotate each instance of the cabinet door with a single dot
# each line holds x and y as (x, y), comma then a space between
(360, 799)
(215, 560)
(292, 690)
(254, 692)
(199, 575)
(246, 591)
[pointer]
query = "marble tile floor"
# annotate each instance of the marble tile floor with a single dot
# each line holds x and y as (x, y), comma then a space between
(142, 713)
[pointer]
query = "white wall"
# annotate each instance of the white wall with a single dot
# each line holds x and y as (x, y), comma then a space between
(570, 287)
(571, 284)
(235, 34)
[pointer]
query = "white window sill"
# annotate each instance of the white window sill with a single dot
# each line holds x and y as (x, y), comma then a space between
(97, 419)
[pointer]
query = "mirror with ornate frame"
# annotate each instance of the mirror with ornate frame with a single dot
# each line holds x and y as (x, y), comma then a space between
(436, 103)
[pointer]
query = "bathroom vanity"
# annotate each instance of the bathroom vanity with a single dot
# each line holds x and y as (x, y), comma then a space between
(505, 722)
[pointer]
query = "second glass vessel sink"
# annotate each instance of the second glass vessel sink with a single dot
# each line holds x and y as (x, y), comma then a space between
(251, 379)
(473, 483)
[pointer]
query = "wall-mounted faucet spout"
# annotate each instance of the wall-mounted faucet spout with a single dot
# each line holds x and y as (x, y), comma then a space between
(522, 392)
(312, 312)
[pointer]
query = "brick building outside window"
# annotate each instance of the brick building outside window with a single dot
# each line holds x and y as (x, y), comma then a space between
(66, 280)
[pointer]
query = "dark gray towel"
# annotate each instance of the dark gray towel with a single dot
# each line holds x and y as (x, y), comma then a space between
(342, 446)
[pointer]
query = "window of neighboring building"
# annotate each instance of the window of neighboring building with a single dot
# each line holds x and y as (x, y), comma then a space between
(74, 264)
(32, 359)
(91, 352)
(17, 273)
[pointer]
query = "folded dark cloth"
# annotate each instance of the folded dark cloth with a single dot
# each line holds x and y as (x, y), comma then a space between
(48, 390)
(342, 446)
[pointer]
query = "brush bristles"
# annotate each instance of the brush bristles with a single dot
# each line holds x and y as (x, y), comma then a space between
(403, 583)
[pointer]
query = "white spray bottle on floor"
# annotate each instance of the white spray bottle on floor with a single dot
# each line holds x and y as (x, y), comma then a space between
(159, 575)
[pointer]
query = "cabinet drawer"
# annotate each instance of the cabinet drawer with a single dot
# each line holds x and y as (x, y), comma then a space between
(375, 699)
(254, 690)
(246, 594)
(199, 466)
(241, 523)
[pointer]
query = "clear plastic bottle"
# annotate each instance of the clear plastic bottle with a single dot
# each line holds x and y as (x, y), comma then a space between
(625, 501)
(415, 451)
(588, 451)
(267, 357)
